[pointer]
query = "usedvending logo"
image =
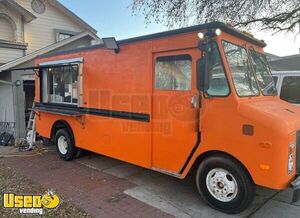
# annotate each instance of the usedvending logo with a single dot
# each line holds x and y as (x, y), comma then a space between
(31, 204)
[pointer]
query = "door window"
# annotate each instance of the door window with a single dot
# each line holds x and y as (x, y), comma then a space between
(290, 90)
(218, 80)
(173, 73)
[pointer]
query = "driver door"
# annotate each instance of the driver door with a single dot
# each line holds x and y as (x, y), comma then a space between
(175, 109)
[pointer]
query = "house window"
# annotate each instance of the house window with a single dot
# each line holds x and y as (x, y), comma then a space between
(173, 73)
(7, 32)
(63, 36)
(60, 84)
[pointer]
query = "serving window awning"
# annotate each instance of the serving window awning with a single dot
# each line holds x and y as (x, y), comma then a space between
(49, 64)
(61, 62)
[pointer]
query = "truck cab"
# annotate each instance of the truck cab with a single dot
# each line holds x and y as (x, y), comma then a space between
(242, 114)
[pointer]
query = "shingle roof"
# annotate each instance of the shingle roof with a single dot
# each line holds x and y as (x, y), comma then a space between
(288, 63)
(44, 50)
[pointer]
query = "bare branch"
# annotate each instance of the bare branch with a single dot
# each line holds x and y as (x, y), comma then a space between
(276, 15)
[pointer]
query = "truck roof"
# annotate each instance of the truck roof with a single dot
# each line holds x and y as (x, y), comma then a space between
(213, 25)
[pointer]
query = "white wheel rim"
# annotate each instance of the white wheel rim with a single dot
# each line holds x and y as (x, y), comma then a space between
(62, 145)
(221, 185)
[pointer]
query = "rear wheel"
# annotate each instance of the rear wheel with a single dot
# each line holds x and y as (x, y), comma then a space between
(224, 184)
(65, 145)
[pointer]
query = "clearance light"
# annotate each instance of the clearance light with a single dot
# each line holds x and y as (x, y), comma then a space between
(201, 35)
(249, 34)
(218, 32)
(264, 166)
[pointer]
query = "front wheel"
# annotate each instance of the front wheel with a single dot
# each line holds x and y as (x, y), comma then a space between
(224, 184)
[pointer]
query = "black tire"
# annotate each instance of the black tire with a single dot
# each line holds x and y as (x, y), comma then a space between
(241, 199)
(71, 150)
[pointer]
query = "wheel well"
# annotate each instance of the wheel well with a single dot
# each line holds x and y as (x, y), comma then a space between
(61, 124)
(217, 153)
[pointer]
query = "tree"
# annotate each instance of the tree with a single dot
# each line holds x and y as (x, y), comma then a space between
(276, 15)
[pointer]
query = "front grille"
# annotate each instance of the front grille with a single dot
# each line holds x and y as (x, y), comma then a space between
(298, 151)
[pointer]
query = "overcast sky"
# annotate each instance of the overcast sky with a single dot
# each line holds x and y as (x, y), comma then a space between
(114, 18)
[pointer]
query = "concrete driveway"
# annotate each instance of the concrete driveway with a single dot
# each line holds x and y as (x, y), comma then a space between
(179, 197)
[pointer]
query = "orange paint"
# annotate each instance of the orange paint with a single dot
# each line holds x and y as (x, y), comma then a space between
(125, 82)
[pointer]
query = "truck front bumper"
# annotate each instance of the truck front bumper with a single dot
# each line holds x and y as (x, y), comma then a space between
(295, 185)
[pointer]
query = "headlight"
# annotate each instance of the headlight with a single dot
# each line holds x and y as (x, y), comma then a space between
(291, 158)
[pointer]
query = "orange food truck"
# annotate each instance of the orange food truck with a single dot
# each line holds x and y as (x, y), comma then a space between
(198, 98)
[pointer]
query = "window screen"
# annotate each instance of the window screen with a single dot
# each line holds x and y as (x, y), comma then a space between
(173, 73)
(60, 85)
(290, 90)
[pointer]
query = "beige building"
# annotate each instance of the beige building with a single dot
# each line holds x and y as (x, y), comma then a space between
(29, 25)
(29, 28)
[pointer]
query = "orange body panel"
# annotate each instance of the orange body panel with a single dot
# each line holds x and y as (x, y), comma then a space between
(124, 82)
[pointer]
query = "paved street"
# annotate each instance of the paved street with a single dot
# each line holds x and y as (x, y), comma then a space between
(106, 187)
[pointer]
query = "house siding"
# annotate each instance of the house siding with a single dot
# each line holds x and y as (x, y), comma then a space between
(7, 109)
(40, 32)
(9, 54)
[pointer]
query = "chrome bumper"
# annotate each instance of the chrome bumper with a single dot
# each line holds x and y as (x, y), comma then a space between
(295, 185)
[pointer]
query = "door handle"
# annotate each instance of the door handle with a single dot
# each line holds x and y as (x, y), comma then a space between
(194, 101)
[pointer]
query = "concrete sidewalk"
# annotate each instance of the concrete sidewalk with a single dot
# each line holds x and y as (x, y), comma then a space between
(106, 187)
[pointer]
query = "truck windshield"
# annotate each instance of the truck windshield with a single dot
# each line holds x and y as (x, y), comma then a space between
(263, 74)
(242, 74)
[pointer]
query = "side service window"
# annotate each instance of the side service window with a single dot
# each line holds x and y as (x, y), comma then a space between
(173, 73)
(290, 90)
(60, 85)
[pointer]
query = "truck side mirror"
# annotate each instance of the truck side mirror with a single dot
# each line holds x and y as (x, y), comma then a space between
(202, 75)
